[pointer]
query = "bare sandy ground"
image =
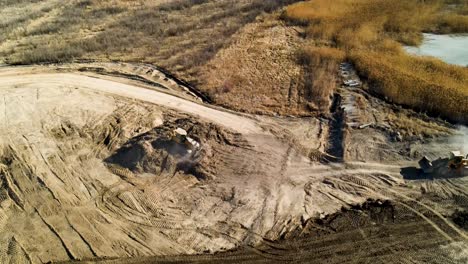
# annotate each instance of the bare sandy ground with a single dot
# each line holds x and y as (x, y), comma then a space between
(60, 200)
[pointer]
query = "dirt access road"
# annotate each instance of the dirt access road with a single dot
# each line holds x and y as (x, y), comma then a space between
(84, 177)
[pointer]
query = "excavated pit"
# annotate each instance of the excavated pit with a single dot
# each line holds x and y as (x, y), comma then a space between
(157, 153)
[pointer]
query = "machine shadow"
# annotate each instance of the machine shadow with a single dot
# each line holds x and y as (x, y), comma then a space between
(413, 173)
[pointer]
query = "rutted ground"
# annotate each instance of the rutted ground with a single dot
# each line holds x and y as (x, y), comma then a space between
(72, 191)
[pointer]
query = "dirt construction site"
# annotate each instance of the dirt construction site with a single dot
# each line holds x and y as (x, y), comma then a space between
(90, 171)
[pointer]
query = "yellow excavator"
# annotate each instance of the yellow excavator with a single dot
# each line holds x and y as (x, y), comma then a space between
(456, 165)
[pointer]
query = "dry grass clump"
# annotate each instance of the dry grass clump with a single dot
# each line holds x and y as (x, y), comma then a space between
(320, 75)
(57, 51)
(47, 33)
(423, 83)
(453, 23)
(413, 126)
(370, 33)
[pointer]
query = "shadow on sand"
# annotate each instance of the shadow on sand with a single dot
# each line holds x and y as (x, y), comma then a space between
(413, 173)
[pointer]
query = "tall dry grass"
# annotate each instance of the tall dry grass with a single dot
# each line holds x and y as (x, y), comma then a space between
(370, 33)
(320, 78)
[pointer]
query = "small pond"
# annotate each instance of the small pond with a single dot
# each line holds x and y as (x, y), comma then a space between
(452, 49)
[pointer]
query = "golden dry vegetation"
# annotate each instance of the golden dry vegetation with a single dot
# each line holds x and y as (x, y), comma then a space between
(267, 71)
(409, 126)
(320, 78)
(258, 72)
(370, 33)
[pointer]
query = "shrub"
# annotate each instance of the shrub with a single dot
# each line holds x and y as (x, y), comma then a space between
(54, 53)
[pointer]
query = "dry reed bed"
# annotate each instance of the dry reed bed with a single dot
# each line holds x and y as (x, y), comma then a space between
(369, 32)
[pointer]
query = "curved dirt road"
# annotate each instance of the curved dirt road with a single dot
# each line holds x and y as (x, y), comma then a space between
(60, 80)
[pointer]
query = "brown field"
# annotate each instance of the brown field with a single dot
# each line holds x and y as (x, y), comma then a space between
(179, 35)
(369, 33)
(248, 60)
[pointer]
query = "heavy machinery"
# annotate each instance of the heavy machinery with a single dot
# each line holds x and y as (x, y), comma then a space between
(456, 165)
(180, 136)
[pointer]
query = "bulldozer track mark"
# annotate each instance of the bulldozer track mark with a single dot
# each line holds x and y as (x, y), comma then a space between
(57, 235)
(389, 194)
(139, 217)
(435, 226)
(139, 242)
(319, 156)
(456, 187)
(82, 238)
(441, 217)
(11, 189)
(122, 172)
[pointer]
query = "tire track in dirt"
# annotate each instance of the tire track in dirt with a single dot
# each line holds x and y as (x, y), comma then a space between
(180, 214)
(388, 193)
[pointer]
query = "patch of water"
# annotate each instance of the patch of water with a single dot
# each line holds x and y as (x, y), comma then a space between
(452, 49)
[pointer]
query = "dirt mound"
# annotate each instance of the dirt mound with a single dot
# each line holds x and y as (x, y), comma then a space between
(156, 152)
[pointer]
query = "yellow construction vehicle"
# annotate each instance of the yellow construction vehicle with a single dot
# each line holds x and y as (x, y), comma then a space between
(456, 165)
(180, 136)
(457, 161)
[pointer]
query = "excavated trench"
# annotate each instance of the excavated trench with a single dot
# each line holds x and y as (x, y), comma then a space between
(337, 127)
(157, 152)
